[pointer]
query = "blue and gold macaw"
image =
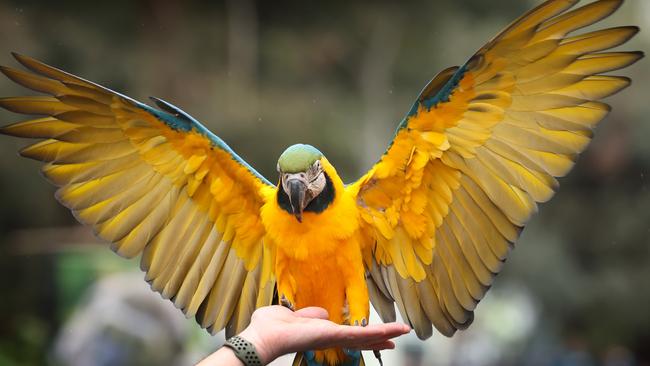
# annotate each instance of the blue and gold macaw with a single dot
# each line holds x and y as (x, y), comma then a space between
(427, 228)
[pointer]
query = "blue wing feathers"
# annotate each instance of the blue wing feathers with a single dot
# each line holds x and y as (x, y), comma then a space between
(179, 120)
(445, 92)
(440, 97)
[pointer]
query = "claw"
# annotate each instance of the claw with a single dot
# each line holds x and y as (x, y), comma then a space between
(363, 322)
(286, 303)
(378, 357)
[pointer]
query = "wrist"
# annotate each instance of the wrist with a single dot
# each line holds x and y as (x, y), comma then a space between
(264, 351)
(224, 356)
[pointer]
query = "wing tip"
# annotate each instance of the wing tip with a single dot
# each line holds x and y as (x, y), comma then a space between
(617, 3)
(627, 81)
(23, 59)
(448, 332)
(6, 70)
(27, 152)
(7, 104)
(5, 130)
(631, 31)
(11, 130)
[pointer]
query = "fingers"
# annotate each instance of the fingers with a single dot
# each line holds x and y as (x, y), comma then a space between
(312, 312)
(380, 331)
(377, 334)
(377, 346)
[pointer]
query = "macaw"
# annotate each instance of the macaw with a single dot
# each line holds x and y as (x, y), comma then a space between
(426, 229)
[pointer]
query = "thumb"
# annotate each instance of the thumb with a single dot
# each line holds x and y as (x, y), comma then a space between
(312, 312)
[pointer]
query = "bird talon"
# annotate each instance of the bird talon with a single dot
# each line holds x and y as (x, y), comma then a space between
(286, 303)
(378, 357)
(363, 322)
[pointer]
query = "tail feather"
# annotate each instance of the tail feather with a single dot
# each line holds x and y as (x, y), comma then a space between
(299, 360)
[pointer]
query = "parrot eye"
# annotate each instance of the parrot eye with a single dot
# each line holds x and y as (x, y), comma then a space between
(315, 170)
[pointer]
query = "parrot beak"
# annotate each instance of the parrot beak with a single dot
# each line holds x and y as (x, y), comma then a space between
(297, 190)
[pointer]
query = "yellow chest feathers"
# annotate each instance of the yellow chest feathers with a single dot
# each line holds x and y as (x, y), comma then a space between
(320, 233)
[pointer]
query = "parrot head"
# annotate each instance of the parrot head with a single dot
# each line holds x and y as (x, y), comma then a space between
(302, 180)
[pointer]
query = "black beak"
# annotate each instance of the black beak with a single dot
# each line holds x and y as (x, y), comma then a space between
(297, 191)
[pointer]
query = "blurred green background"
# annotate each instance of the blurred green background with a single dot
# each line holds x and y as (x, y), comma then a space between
(338, 75)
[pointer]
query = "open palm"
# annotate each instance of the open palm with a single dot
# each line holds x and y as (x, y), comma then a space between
(276, 330)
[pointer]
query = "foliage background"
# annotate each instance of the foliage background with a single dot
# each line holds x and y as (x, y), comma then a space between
(338, 75)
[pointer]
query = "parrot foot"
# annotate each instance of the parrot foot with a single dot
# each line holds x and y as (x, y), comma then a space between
(363, 322)
(378, 357)
(286, 303)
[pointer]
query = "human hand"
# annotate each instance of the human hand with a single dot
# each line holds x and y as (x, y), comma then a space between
(276, 331)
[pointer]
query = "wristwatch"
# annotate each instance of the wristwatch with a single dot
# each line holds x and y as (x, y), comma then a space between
(244, 350)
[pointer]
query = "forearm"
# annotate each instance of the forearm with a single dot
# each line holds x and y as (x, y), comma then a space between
(223, 357)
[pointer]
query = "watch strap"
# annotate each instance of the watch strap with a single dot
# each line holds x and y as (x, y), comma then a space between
(244, 350)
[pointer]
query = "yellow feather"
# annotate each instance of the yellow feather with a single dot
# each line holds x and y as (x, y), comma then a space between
(47, 127)
(467, 251)
(70, 153)
(451, 303)
(431, 307)
(209, 310)
(185, 258)
(602, 62)
(85, 118)
(86, 104)
(467, 215)
(86, 194)
(134, 243)
(595, 87)
(157, 253)
(227, 288)
(194, 163)
(105, 209)
(539, 186)
(33, 81)
(546, 84)
(409, 305)
(536, 16)
(568, 22)
(455, 258)
(597, 41)
(121, 224)
(62, 174)
(35, 105)
(90, 134)
(203, 272)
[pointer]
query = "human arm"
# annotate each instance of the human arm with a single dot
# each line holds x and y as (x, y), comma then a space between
(276, 330)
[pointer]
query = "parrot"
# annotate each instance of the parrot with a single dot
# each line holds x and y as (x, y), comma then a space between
(424, 232)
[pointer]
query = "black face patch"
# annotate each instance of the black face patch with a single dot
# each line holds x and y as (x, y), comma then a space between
(317, 205)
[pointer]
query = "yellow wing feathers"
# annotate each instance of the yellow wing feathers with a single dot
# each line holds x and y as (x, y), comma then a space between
(466, 170)
(149, 186)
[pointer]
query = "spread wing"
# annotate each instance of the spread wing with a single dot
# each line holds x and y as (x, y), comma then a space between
(480, 148)
(156, 182)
